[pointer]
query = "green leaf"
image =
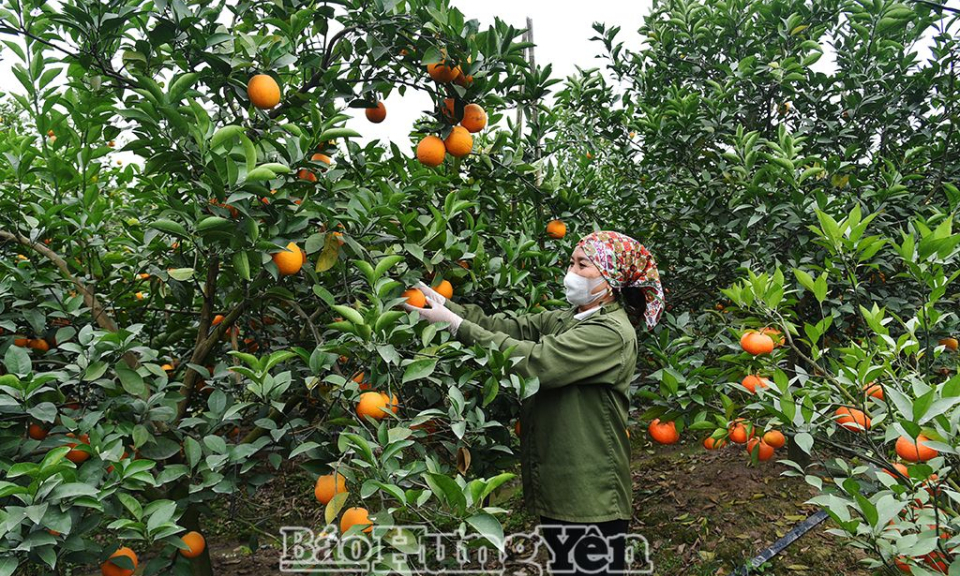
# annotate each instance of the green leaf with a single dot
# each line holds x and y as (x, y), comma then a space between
(260, 174)
(349, 314)
(131, 381)
(213, 224)
(17, 361)
(170, 227)
(338, 133)
(181, 274)
(489, 527)
(224, 134)
(419, 369)
(242, 265)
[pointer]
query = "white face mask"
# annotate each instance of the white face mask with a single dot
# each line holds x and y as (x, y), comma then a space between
(578, 289)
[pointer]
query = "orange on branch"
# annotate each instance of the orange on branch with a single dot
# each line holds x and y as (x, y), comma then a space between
(663, 432)
(415, 298)
(263, 91)
(307, 175)
(852, 419)
(442, 73)
(372, 404)
(445, 289)
(196, 543)
(756, 344)
(430, 151)
(36, 431)
(915, 451)
(289, 261)
(355, 517)
(328, 486)
(775, 438)
(377, 114)
(556, 229)
(711, 443)
(752, 382)
(110, 569)
(764, 450)
(474, 118)
(459, 142)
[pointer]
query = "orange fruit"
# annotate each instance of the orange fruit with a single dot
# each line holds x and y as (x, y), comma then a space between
(756, 343)
(53, 532)
(462, 79)
(764, 451)
(167, 367)
(463, 264)
(852, 419)
(901, 468)
(36, 431)
(915, 451)
(415, 298)
(442, 73)
(711, 443)
(873, 390)
(516, 428)
(372, 404)
(139, 296)
(738, 433)
(556, 229)
(663, 432)
(290, 260)
(901, 563)
(752, 382)
(217, 319)
(40, 345)
(459, 142)
(949, 344)
(378, 114)
(449, 109)
(474, 118)
(359, 380)
(307, 175)
(144, 276)
(78, 456)
(263, 91)
(445, 289)
(775, 438)
(111, 143)
(328, 486)
(355, 516)
(430, 151)
(110, 569)
(49, 132)
(196, 543)
(318, 157)
(21, 342)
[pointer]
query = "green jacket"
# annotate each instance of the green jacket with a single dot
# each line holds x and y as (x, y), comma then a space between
(574, 453)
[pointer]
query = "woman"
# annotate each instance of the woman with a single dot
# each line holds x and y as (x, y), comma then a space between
(575, 454)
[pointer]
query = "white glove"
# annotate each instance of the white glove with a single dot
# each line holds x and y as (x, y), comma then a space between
(436, 312)
(431, 294)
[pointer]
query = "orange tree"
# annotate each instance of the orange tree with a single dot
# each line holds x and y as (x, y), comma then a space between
(826, 195)
(176, 330)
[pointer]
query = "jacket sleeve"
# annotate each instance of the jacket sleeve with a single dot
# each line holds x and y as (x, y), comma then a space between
(590, 352)
(525, 327)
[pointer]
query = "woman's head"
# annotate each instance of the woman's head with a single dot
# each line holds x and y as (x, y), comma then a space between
(584, 283)
(625, 267)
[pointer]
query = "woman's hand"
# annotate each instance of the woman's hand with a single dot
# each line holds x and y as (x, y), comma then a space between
(437, 312)
(431, 294)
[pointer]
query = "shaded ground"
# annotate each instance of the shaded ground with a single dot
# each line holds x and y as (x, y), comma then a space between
(703, 513)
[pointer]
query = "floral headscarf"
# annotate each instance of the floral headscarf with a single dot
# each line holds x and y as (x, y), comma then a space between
(625, 263)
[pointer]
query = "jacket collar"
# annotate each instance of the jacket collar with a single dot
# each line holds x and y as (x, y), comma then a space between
(609, 307)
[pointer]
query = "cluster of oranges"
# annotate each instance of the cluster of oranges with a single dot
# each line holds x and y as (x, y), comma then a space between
(194, 543)
(38, 344)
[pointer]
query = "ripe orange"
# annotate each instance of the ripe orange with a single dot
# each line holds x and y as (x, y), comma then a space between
(40, 345)
(110, 569)
(901, 468)
(752, 382)
(217, 319)
(430, 151)
(378, 114)
(36, 431)
(663, 432)
(756, 343)
(167, 367)
(318, 157)
(949, 344)
(462, 79)
(21, 342)
(139, 296)
(442, 73)
(852, 419)
(359, 380)
(474, 118)
(196, 543)
(328, 486)
(556, 229)
(263, 91)
(738, 433)
(144, 276)
(449, 109)
(873, 390)
(915, 451)
(711, 443)
(516, 428)
(445, 289)
(290, 260)
(764, 452)
(49, 133)
(78, 456)
(111, 143)
(415, 298)
(372, 404)
(355, 516)
(775, 438)
(307, 175)
(459, 142)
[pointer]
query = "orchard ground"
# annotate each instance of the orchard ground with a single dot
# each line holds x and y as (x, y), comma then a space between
(703, 513)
